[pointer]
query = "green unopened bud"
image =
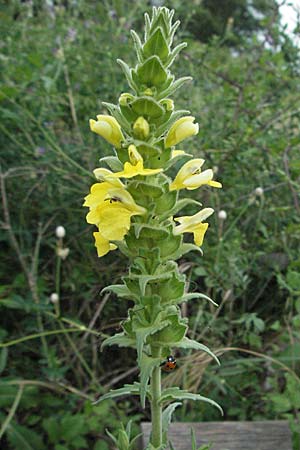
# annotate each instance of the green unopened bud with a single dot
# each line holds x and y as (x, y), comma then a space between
(125, 98)
(148, 92)
(134, 155)
(108, 128)
(168, 104)
(141, 128)
(181, 129)
(123, 441)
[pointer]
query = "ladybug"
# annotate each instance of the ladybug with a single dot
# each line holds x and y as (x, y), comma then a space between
(169, 364)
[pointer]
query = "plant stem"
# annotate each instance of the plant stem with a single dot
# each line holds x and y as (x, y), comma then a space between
(156, 408)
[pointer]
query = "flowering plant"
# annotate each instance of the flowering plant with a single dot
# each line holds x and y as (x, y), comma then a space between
(135, 204)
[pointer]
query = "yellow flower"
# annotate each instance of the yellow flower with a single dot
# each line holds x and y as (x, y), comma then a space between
(193, 224)
(181, 129)
(111, 209)
(190, 176)
(103, 245)
(108, 128)
(135, 166)
(141, 128)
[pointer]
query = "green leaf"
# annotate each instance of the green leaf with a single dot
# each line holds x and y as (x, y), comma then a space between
(137, 45)
(72, 426)
(152, 72)
(171, 334)
(127, 389)
(113, 163)
(180, 204)
(23, 438)
(175, 393)
(147, 365)
(165, 204)
(171, 89)
(3, 358)
(101, 445)
(119, 339)
(185, 248)
(157, 45)
(190, 343)
(147, 106)
(167, 415)
(144, 230)
(52, 427)
(192, 295)
(127, 72)
(120, 290)
(143, 332)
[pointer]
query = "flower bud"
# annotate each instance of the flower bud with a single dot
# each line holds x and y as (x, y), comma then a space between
(180, 130)
(54, 298)
(141, 128)
(63, 253)
(123, 441)
(168, 104)
(222, 214)
(108, 128)
(60, 232)
(134, 155)
(148, 92)
(125, 98)
(259, 191)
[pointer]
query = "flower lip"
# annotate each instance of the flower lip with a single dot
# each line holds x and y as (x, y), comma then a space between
(190, 176)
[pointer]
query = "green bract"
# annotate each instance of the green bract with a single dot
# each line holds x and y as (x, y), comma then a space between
(133, 207)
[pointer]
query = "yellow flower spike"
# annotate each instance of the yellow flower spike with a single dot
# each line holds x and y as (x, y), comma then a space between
(141, 128)
(102, 245)
(108, 128)
(135, 166)
(193, 224)
(180, 130)
(190, 176)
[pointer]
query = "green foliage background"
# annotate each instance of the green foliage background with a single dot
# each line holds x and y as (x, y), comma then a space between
(58, 64)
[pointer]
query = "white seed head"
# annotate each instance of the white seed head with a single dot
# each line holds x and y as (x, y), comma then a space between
(222, 214)
(54, 297)
(63, 252)
(60, 231)
(259, 191)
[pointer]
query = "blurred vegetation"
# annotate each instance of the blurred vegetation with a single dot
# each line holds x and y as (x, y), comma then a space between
(58, 64)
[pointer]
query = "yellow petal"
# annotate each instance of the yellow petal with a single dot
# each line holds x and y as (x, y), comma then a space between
(103, 245)
(114, 222)
(98, 193)
(199, 233)
(215, 184)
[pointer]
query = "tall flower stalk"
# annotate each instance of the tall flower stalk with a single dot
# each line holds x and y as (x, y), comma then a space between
(135, 205)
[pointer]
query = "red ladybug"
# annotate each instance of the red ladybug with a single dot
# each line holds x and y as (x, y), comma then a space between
(169, 364)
